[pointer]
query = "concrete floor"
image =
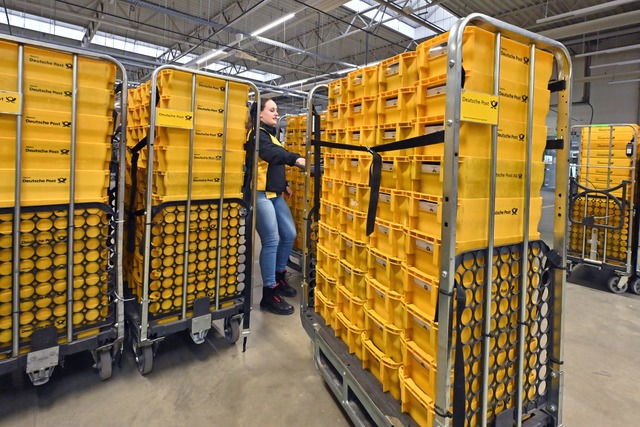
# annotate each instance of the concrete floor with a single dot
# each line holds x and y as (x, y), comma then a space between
(274, 383)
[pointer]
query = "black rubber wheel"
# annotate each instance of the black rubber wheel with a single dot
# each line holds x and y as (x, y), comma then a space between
(634, 285)
(614, 285)
(144, 358)
(105, 364)
(231, 330)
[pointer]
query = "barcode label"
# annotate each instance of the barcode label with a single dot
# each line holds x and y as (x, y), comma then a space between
(381, 262)
(383, 229)
(390, 134)
(392, 102)
(384, 198)
(387, 166)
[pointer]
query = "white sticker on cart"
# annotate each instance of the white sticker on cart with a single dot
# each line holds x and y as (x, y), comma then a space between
(387, 166)
(391, 102)
(390, 134)
(424, 245)
(383, 229)
(430, 167)
(381, 262)
(384, 198)
(428, 206)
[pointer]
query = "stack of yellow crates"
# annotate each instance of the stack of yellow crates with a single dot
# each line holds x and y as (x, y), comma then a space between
(295, 142)
(380, 293)
(45, 168)
(604, 164)
(169, 188)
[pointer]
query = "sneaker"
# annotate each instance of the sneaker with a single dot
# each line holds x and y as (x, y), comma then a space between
(283, 286)
(274, 302)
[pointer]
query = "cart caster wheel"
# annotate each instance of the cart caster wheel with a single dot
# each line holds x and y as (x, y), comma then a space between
(231, 330)
(105, 364)
(634, 286)
(615, 286)
(144, 358)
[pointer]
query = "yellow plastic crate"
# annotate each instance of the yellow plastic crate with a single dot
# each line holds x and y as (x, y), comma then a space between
(397, 106)
(425, 215)
(179, 83)
(356, 196)
(204, 160)
(383, 210)
(325, 307)
(514, 99)
(338, 91)
(205, 136)
(57, 96)
(331, 166)
(331, 190)
(56, 126)
(478, 47)
(421, 330)
(207, 111)
(420, 367)
(328, 261)
(353, 223)
(46, 187)
(400, 207)
(54, 66)
(386, 303)
(415, 402)
(615, 172)
(392, 132)
(426, 173)
(363, 82)
(388, 172)
(421, 290)
(398, 72)
(604, 154)
(47, 154)
(605, 161)
(617, 135)
(384, 335)
(361, 136)
(475, 139)
(351, 306)
(330, 213)
(386, 269)
(362, 112)
(350, 334)
(333, 118)
(383, 368)
(389, 238)
(355, 167)
(353, 251)
(352, 278)
(327, 285)
(329, 237)
(205, 184)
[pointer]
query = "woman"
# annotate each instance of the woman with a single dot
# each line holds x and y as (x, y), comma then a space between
(274, 222)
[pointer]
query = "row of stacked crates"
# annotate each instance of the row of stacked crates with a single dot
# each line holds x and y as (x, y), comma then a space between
(169, 190)
(380, 293)
(45, 170)
(295, 141)
(607, 155)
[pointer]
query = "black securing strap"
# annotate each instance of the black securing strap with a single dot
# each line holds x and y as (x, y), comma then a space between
(555, 144)
(459, 396)
(131, 222)
(557, 86)
(555, 259)
(440, 412)
(556, 361)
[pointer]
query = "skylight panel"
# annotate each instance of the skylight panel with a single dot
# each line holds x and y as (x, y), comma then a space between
(40, 24)
(129, 45)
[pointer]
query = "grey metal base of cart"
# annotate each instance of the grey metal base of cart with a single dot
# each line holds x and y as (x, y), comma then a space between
(47, 354)
(357, 390)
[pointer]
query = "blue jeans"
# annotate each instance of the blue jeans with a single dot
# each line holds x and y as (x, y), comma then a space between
(277, 232)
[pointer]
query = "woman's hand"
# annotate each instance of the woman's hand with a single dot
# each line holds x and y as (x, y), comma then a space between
(287, 191)
(301, 163)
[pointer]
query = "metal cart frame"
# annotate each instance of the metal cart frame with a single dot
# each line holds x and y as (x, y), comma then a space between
(146, 335)
(367, 405)
(626, 274)
(46, 353)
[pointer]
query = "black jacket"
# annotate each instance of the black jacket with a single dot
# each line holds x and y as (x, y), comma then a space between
(272, 161)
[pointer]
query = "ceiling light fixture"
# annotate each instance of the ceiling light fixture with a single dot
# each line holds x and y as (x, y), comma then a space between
(613, 64)
(584, 11)
(615, 82)
(605, 51)
(209, 56)
(273, 24)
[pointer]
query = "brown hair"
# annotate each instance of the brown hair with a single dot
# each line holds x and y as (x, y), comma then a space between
(253, 112)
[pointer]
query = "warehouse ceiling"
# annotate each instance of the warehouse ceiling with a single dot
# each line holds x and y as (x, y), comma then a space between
(309, 42)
